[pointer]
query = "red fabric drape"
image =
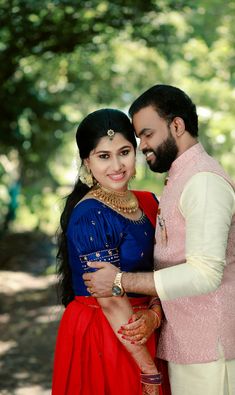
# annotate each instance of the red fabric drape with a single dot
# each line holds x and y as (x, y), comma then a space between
(89, 358)
(148, 204)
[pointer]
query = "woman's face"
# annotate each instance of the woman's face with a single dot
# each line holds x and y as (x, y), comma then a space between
(112, 162)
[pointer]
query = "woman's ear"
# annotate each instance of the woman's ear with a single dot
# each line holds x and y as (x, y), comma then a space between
(86, 162)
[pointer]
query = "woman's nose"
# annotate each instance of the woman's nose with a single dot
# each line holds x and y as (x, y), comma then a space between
(117, 164)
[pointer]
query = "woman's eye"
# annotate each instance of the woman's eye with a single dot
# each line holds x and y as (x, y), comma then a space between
(104, 156)
(125, 152)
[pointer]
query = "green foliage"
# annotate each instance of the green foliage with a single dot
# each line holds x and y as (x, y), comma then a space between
(60, 59)
(56, 52)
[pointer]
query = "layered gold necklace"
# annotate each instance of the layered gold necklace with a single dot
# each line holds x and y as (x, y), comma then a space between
(123, 202)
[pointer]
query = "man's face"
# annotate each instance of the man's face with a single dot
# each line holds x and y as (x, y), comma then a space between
(156, 140)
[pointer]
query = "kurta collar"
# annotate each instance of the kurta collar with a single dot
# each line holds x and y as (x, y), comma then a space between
(184, 158)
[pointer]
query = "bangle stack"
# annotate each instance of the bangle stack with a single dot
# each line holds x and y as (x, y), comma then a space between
(154, 379)
(154, 302)
(158, 318)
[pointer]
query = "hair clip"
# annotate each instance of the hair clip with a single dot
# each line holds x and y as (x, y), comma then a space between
(110, 133)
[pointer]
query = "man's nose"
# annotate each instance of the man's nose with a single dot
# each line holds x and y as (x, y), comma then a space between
(142, 145)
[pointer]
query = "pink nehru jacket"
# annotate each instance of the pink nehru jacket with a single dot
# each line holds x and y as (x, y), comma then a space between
(194, 326)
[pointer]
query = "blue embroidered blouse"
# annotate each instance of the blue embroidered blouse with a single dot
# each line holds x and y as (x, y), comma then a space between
(98, 233)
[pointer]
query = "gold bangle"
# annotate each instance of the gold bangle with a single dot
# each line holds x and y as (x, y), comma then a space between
(159, 319)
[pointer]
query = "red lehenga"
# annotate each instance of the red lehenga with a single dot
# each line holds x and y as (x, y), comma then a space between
(90, 359)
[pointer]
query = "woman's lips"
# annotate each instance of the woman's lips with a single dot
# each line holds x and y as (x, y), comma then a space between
(117, 177)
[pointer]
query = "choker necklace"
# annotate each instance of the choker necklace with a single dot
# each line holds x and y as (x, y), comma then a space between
(123, 202)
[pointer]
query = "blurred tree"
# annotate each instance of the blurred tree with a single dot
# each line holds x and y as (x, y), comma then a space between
(56, 59)
(37, 76)
(60, 59)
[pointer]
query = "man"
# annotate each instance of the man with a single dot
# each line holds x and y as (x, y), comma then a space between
(194, 253)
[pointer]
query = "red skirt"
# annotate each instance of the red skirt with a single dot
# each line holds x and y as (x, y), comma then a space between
(89, 358)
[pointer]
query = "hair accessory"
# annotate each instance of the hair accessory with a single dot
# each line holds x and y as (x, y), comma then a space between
(85, 176)
(123, 202)
(110, 134)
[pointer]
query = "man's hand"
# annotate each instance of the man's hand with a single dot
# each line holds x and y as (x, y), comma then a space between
(99, 283)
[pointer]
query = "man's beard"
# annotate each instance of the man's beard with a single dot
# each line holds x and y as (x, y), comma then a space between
(165, 154)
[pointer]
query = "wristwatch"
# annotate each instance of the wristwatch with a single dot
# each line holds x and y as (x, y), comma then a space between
(117, 289)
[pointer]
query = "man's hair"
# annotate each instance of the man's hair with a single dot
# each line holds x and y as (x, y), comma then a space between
(169, 102)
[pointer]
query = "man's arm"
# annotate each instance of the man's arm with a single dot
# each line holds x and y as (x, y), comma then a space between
(140, 283)
(207, 204)
(100, 282)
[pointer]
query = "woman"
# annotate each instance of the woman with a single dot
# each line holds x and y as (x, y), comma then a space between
(103, 220)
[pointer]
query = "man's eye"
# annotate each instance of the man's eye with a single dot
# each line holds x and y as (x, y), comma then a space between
(125, 152)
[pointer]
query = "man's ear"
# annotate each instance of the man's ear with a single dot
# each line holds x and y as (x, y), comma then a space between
(179, 126)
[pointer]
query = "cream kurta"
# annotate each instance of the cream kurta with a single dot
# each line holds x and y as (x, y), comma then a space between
(195, 252)
(208, 203)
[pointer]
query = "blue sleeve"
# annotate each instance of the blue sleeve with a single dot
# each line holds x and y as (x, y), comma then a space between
(96, 235)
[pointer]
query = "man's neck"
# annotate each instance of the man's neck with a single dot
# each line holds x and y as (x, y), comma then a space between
(186, 144)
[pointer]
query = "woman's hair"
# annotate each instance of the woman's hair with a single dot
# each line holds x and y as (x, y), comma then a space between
(89, 132)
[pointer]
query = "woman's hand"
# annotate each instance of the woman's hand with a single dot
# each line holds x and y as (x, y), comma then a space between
(141, 326)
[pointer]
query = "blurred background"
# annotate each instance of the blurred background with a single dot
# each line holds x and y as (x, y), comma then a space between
(59, 60)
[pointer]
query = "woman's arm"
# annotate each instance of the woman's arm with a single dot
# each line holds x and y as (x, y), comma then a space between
(117, 311)
(143, 323)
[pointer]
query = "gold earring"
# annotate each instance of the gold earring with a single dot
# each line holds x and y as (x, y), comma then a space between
(85, 176)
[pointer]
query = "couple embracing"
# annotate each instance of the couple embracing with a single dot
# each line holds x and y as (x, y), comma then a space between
(133, 270)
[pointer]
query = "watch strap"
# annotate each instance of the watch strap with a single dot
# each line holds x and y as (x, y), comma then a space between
(118, 281)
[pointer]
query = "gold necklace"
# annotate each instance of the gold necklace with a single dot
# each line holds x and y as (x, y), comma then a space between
(123, 202)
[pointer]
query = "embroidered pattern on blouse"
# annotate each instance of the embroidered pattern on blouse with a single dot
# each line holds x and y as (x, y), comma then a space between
(111, 255)
(141, 220)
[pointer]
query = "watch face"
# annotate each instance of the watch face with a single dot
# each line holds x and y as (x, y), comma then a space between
(116, 290)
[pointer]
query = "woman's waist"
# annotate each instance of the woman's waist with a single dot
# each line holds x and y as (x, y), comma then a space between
(137, 303)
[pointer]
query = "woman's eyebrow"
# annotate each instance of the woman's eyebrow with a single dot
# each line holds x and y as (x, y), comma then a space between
(106, 151)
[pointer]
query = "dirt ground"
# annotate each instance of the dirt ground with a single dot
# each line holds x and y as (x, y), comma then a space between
(29, 314)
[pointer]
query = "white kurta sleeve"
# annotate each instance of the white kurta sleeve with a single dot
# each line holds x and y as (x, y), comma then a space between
(207, 204)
